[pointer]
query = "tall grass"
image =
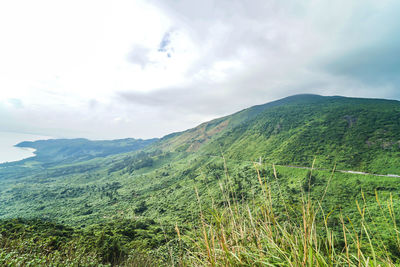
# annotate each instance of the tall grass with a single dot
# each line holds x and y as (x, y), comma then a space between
(268, 230)
(260, 233)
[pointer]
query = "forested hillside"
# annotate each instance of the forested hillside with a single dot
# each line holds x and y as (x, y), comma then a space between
(157, 190)
(66, 150)
(356, 134)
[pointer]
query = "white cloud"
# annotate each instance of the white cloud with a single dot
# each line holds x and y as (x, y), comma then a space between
(104, 69)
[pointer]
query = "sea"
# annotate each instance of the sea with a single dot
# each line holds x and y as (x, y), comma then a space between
(8, 151)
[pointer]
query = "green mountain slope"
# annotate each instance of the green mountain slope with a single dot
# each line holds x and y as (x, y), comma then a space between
(67, 150)
(356, 134)
(93, 180)
(86, 184)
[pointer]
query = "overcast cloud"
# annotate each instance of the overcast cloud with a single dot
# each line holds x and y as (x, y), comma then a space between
(114, 69)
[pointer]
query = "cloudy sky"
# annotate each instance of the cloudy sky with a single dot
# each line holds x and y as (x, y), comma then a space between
(113, 69)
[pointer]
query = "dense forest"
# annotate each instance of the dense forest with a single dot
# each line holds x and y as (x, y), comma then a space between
(264, 186)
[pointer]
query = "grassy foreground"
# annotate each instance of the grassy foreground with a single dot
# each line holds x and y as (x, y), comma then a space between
(274, 227)
(292, 234)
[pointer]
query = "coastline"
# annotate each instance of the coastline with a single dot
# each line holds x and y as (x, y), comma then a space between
(10, 152)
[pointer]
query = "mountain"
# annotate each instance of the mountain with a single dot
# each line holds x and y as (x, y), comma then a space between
(357, 134)
(353, 133)
(94, 185)
(73, 150)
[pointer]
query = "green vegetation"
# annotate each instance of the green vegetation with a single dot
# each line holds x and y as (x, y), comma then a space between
(134, 194)
(266, 232)
(286, 217)
(74, 150)
(38, 242)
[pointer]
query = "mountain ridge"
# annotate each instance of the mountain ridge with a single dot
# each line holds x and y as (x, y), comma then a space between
(277, 119)
(157, 181)
(269, 131)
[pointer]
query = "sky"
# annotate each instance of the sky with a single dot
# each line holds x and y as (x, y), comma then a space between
(103, 69)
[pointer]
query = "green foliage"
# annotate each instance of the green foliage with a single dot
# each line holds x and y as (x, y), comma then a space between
(73, 150)
(267, 234)
(117, 201)
(42, 242)
(354, 133)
